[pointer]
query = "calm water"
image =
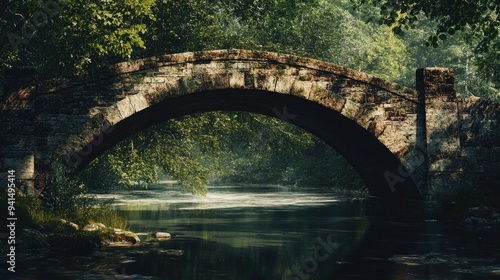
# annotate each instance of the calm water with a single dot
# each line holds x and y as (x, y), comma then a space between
(273, 233)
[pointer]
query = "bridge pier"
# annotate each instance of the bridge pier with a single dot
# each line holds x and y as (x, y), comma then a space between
(436, 89)
(18, 128)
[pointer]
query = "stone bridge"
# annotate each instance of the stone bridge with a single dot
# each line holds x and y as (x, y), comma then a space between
(404, 143)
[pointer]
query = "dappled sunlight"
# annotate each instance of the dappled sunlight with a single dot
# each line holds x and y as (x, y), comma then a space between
(220, 197)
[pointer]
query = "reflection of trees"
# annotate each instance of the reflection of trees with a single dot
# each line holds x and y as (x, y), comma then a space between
(251, 244)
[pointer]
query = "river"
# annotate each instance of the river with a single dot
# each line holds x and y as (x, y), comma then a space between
(273, 232)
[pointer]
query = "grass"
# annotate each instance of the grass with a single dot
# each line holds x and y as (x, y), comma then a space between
(31, 214)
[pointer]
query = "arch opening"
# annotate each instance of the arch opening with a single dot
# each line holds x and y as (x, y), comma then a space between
(362, 150)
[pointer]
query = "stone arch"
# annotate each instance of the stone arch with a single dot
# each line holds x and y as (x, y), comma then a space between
(371, 122)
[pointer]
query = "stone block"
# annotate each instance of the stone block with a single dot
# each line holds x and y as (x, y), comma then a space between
(351, 109)
(125, 108)
(112, 114)
(284, 84)
(236, 79)
(138, 102)
(301, 88)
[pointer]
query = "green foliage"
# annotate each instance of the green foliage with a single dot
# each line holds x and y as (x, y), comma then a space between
(63, 194)
(75, 36)
(100, 173)
(31, 213)
(188, 148)
(262, 148)
(181, 25)
(471, 26)
(322, 166)
(481, 16)
(64, 197)
(84, 35)
(488, 71)
(272, 151)
(107, 26)
(319, 29)
(229, 147)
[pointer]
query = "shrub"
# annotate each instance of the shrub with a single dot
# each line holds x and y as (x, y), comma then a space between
(67, 198)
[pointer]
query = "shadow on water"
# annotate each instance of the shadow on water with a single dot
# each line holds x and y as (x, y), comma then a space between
(211, 262)
(395, 227)
(370, 258)
(383, 247)
(347, 250)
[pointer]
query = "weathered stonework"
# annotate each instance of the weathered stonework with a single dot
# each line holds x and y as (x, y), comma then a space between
(378, 126)
(479, 135)
(18, 126)
(463, 137)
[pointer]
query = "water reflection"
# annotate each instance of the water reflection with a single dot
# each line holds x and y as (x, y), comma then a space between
(246, 233)
(250, 233)
(230, 235)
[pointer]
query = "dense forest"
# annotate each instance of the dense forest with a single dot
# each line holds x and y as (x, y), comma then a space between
(389, 39)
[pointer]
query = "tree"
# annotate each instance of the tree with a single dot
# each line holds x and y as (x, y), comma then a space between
(320, 29)
(188, 148)
(463, 35)
(67, 36)
(183, 25)
(481, 16)
(488, 71)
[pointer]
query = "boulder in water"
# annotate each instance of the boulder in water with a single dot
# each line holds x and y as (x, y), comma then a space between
(127, 236)
(162, 235)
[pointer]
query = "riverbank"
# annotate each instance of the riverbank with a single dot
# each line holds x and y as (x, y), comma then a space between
(39, 228)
